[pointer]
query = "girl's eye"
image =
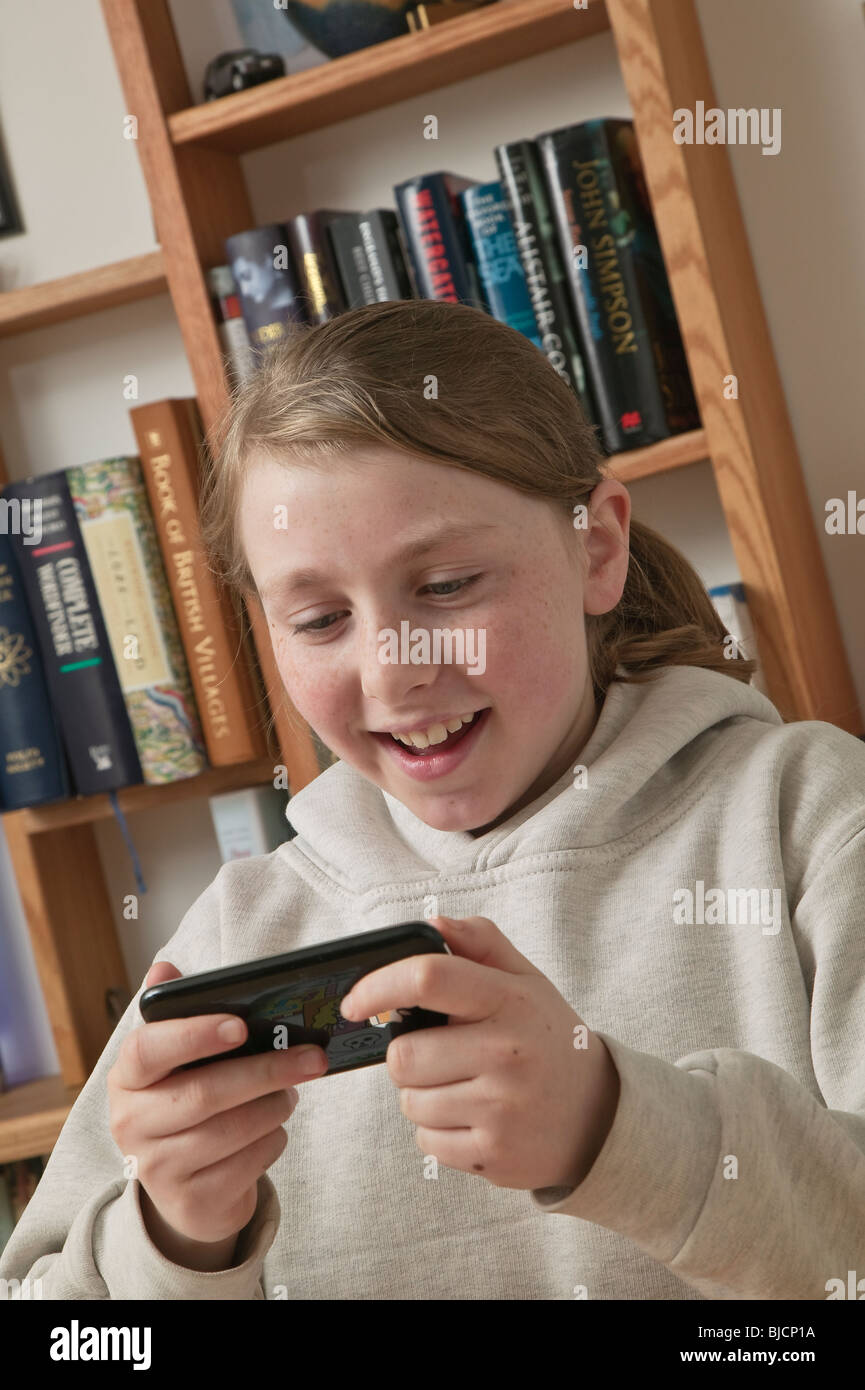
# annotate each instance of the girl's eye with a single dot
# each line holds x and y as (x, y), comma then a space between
(442, 584)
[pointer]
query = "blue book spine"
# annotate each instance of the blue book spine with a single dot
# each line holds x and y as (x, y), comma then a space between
(498, 259)
(32, 765)
(73, 643)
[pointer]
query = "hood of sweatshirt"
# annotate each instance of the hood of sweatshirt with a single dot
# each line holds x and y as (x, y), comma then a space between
(649, 741)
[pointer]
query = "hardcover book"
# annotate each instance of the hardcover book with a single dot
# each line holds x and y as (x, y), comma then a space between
(79, 667)
(618, 284)
(380, 234)
(498, 260)
(236, 348)
(437, 239)
(320, 285)
(351, 259)
(268, 284)
(522, 181)
(169, 436)
(32, 762)
(117, 527)
(370, 258)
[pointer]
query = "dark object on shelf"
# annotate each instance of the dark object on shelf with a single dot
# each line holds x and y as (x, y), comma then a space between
(238, 69)
(338, 27)
(10, 217)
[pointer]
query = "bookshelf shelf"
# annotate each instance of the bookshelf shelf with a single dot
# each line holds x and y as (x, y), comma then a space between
(385, 73)
(86, 292)
(84, 810)
(677, 452)
(32, 1115)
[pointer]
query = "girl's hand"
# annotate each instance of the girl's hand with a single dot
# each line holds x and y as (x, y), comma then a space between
(516, 1087)
(201, 1139)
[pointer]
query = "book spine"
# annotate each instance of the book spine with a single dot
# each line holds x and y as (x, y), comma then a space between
(437, 250)
(321, 289)
(668, 348)
(267, 283)
(169, 437)
(592, 211)
(521, 177)
(351, 260)
(498, 260)
(111, 506)
(76, 653)
(32, 765)
(378, 229)
(236, 347)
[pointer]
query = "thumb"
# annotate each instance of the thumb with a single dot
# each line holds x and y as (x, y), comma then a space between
(160, 971)
(480, 940)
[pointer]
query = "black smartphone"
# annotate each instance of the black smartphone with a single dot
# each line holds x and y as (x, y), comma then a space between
(294, 998)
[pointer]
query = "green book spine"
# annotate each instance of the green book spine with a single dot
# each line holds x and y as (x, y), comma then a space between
(113, 513)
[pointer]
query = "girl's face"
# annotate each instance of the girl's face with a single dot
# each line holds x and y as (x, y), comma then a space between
(510, 583)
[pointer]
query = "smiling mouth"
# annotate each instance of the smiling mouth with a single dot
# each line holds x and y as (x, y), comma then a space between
(433, 748)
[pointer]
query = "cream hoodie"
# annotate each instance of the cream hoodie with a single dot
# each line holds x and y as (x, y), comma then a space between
(735, 1165)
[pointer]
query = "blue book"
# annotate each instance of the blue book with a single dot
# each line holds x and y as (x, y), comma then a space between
(498, 260)
(73, 643)
(32, 765)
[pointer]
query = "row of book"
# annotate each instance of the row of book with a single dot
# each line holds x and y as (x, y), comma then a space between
(562, 246)
(120, 657)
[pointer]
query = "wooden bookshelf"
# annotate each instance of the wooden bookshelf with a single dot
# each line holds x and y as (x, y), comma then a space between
(677, 452)
(84, 810)
(32, 1116)
(376, 77)
(191, 160)
(86, 292)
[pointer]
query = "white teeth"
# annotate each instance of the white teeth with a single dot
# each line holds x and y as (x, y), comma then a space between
(436, 733)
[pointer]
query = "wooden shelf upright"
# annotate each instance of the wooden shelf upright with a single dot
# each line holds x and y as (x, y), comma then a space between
(191, 160)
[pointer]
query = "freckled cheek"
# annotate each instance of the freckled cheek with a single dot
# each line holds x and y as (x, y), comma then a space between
(316, 697)
(535, 660)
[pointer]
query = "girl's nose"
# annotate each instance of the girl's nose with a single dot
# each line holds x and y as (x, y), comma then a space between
(387, 672)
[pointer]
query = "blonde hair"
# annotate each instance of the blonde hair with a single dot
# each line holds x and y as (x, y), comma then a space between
(497, 408)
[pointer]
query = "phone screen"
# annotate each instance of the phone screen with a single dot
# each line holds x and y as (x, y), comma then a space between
(307, 1011)
(285, 1004)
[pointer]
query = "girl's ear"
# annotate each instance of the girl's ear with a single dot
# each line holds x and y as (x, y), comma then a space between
(607, 546)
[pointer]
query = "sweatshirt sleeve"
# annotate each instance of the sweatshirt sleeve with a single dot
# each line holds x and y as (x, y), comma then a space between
(82, 1233)
(722, 1166)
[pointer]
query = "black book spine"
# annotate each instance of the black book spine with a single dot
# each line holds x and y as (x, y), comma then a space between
(521, 177)
(351, 260)
(268, 284)
(321, 288)
(593, 211)
(384, 255)
(79, 667)
(32, 763)
(668, 348)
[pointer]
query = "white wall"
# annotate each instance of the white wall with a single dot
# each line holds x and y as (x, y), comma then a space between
(84, 203)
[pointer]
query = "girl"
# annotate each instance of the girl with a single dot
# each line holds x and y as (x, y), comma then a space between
(652, 1080)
